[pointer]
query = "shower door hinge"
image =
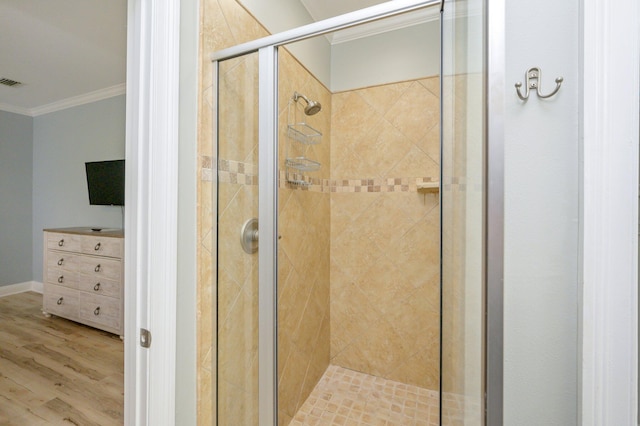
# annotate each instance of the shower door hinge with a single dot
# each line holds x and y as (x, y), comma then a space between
(145, 338)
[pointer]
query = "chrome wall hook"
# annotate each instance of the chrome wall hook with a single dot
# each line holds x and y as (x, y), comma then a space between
(533, 79)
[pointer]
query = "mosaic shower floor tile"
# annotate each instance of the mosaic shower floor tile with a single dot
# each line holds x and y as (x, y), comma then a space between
(346, 397)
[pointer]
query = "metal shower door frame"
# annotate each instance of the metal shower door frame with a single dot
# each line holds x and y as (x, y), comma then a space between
(267, 49)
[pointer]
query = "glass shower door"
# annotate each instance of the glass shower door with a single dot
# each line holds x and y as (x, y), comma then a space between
(236, 189)
(245, 265)
(463, 218)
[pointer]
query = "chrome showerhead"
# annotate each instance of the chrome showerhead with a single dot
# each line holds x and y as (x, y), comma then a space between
(313, 107)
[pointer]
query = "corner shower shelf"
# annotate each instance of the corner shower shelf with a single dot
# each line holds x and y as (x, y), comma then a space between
(300, 157)
(303, 164)
(303, 133)
(429, 187)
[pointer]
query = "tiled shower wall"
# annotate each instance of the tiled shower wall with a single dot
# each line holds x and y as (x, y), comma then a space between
(385, 245)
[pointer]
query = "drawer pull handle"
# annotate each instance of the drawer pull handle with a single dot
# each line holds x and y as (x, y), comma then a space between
(59, 302)
(61, 242)
(60, 262)
(96, 311)
(60, 279)
(97, 268)
(97, 247)
(96, 287)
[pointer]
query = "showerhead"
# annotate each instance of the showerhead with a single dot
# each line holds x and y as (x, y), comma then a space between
(313, 107)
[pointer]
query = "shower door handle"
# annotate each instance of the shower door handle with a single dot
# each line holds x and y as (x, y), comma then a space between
(249, 236)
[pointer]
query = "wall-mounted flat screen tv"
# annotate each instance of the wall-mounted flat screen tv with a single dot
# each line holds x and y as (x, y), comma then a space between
(105, 181)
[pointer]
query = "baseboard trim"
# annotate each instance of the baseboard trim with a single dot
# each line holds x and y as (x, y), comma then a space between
(8, 290)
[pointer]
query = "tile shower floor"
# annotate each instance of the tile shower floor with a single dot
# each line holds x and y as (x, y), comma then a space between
(346, 397)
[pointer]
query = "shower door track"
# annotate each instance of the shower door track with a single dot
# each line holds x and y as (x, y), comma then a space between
(268, 176)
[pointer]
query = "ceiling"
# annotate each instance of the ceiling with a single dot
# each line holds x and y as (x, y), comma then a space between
(66, 52)
(61, 49)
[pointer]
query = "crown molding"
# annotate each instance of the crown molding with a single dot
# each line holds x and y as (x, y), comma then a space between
(15, 109)
(98, 95)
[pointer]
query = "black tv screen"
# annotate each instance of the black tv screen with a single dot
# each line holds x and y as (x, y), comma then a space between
(105, 181)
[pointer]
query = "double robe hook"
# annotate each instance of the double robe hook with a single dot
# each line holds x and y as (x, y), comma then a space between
(533, 79)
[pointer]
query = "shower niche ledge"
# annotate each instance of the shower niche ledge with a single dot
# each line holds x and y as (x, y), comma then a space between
(428, 186)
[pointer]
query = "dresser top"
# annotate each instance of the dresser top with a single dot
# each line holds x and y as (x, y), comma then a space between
(105, 232)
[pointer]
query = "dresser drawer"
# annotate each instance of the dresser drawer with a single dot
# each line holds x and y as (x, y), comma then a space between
(92, 267)
(60, 301)
(101, 310)
(62, 277)
(102, 246)
(65, 242)
(61, 260)
(100, 286)
(99, 267)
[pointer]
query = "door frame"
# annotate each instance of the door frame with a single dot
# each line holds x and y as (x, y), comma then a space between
(608, 304)
(151, 214)
(494, 172)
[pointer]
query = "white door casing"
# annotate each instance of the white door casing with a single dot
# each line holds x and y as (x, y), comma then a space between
(153, 56)
(609, 276)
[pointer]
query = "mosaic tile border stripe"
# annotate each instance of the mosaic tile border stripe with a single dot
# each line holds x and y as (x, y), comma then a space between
(238, 172)
(230, 171)
(409, 184)
(246, 174)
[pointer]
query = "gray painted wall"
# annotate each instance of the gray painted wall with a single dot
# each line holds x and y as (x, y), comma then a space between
(16, 134)
(542, 191)
(62, 142)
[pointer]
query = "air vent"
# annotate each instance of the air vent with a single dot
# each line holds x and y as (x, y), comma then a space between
(9, 82)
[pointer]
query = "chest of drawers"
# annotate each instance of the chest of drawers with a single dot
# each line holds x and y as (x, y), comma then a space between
(83, 277)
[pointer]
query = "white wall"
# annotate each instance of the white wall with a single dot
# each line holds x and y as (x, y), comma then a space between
(186, 342)
(16, 149)
(62, 142)
(542, 169)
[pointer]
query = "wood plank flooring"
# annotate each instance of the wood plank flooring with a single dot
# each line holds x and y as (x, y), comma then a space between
(56, 372)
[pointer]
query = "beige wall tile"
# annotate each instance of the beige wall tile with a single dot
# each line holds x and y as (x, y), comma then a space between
(385, 246)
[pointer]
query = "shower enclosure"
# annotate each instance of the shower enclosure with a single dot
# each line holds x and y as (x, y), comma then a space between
(347, 235)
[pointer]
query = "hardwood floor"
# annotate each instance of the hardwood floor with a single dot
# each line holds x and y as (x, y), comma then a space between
(54, 371)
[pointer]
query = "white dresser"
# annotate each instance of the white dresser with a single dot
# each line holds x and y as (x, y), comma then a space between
(83, 277)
